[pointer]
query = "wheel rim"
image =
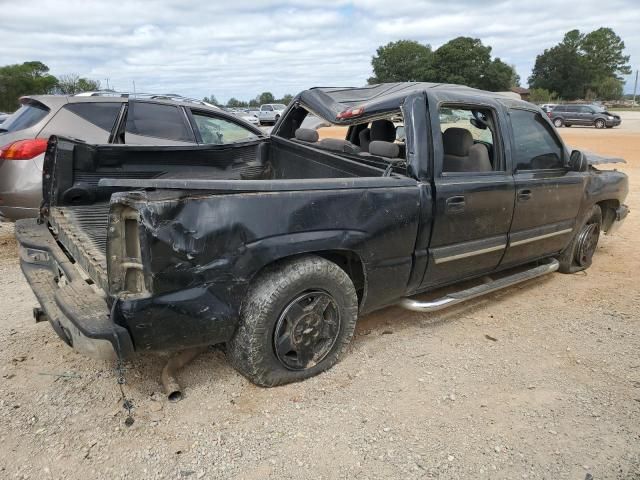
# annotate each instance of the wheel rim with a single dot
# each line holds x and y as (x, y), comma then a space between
(307, 330)
(587, 243)
(599, 124)
(558, 123)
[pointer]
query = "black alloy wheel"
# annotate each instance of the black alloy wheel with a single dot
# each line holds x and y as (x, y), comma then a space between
(307, 330)
(587, 244)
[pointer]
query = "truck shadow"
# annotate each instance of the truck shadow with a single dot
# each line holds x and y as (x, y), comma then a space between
(395, 319)
(144, 372)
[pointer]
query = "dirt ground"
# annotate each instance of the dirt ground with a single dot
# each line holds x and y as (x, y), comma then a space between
(538, 381)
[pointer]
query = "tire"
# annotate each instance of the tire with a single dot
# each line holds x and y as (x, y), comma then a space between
(599, 123)
(557, 122)
(579, 253)
(286, 332)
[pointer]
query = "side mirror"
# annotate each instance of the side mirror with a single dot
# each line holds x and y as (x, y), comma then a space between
(578, 162)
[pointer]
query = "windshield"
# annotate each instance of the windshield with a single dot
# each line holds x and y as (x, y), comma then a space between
(598, 109)
(279, 106)
(26, 116)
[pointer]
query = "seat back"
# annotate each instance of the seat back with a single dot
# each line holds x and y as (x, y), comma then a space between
(461, 154)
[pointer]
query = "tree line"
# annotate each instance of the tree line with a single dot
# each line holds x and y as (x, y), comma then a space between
(33, 78)
(463, 60)
(582, 65)
(264, 97)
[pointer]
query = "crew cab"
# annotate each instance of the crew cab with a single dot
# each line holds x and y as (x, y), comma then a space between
(273, 246)
(270, 112)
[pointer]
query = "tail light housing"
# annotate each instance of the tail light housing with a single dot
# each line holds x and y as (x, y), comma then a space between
(23, 149)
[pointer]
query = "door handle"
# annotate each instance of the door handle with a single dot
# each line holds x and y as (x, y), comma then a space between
(524, 195)
(455, 204)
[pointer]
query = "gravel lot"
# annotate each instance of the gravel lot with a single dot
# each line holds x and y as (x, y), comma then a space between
(541, 380)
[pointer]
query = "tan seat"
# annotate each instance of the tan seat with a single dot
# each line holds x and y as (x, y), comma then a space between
(461, 154)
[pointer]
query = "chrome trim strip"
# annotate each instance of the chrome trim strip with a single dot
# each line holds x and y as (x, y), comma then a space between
(540, 237)
(469, 254)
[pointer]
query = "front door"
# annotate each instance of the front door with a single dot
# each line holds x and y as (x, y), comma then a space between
(474, 195)
(548, 196)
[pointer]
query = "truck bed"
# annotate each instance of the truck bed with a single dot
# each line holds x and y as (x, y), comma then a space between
(83, 178)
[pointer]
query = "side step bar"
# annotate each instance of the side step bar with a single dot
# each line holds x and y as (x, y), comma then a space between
(549, 266)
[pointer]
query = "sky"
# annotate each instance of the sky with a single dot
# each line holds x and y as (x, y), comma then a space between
(239, 48)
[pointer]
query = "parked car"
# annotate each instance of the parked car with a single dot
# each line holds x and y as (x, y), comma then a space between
(99, 118)
(3, 117)
(594, 115)
(275, 245)
(547, 107)
(270, 113)
(247, 117)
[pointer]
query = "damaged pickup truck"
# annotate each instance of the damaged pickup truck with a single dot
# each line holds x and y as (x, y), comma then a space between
(274, 246)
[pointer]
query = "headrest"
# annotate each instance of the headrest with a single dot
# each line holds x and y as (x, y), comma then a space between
(383, 130)
(307, 135)
(338, 145)
(384, 149)
(457, 141)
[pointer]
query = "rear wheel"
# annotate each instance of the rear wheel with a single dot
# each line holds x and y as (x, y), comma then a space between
(296, 322)
(579, 253)
(558, 122)
(599, 123)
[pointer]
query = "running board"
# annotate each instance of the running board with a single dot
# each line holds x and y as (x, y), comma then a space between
(549, 266)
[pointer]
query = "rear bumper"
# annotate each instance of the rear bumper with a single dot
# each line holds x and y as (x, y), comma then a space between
(621, 213)
(77, 312)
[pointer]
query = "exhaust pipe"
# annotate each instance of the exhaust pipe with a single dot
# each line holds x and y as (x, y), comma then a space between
(169, 380)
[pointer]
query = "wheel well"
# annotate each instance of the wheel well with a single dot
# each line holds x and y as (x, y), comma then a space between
(608, 208)
(351, 263)
(347, 260)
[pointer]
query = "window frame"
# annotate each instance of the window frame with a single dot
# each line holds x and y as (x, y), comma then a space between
(551, 130)
(69, 107)
(182, 113)
(190, 111)
(498, 146)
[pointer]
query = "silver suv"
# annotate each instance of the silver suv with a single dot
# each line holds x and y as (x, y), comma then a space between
(100, 118)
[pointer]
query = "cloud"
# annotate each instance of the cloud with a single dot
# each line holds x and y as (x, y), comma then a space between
(242, 48)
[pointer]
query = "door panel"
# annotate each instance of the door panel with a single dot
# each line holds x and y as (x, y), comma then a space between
(548, 197)
(543, 221)
(472, 218)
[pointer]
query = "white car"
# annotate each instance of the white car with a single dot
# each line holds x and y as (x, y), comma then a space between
(270, 112)
(248, 117)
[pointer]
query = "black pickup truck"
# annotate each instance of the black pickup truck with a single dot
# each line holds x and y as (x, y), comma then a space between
(272, 246)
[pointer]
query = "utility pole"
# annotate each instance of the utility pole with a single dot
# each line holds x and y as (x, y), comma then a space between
(635, 87)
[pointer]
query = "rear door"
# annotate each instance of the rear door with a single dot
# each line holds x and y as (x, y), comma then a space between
(548, 196)
(151, 123)
(473, 207)
(573, 115)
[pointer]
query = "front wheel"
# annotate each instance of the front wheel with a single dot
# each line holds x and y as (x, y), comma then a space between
(296, 321)
(599, 123)
(558, 122)
(579, 253)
